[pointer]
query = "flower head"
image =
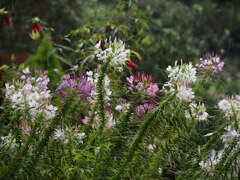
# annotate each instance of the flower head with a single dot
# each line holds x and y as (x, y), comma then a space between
(31, 93)
(77, 85)
(179, 74)
(196, 111)
(230, 106)
(142, 109)
(143, 82)
(211, 61)
(185, 93)
(114, 50)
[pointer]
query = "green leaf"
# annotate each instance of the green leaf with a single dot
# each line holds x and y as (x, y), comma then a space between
(64, 60)
(136, 54)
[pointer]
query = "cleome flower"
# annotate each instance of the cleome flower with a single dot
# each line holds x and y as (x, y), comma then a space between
(143, 82)
(144, 108)
(185, 93)
(183, 72)
(93, 78)
(210, 61)
(77, 85)
(115, 51)
(230, 106)
(196, 111)
(31, 94)
(63, 135)
(178, 75)
(229, 135)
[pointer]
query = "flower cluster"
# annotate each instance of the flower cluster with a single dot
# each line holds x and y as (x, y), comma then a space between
(185, 93)
(61, 135)
(230, 106)
(143, 82)
(144, 108)
(180, 77)
(74, 84)
(197, 112)
(31, 94)
(229, 135)
(112, 50)
(212, 62)
(181, 73)
(93, 79)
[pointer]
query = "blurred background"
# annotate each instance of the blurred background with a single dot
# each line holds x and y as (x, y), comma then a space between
(162, 31)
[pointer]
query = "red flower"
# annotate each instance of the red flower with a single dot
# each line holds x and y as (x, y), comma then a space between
(37, 27)
(6, 20)
(131, 64)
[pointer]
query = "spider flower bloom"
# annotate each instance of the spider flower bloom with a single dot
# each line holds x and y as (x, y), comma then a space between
(185, 93)
(181, 73)
(131, 64)
(114, 50)
(196, 111)
(74, 84)
(145, 82)
(210, 61)
(32, 94)
(230, 106)
(144, 108)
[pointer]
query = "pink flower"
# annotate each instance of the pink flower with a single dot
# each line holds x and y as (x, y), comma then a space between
(130, 80)
(25, 127)
(151, 91)
(85, 120)
(143, 82)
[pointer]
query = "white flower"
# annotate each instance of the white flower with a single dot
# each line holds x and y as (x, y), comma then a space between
(151, 147)
(184, 72)
(197, 112)
(210, 163)
(230, 106)
(110, 122)
(26, 71)
(59, 134)
(228, 136)
(114, 50)
(185, 93)
(118, 107)
(31, 94)
(79, 136)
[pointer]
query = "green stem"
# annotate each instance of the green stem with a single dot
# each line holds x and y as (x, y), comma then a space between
(100, 95)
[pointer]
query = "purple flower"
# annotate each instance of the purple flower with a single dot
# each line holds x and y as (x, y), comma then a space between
(142, 109)
(151, 91)
(77, 85)
(210, 61)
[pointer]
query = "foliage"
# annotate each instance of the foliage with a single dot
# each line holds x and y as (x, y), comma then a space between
(103, 118)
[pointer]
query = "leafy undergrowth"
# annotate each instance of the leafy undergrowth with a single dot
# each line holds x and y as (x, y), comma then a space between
(102, 123)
